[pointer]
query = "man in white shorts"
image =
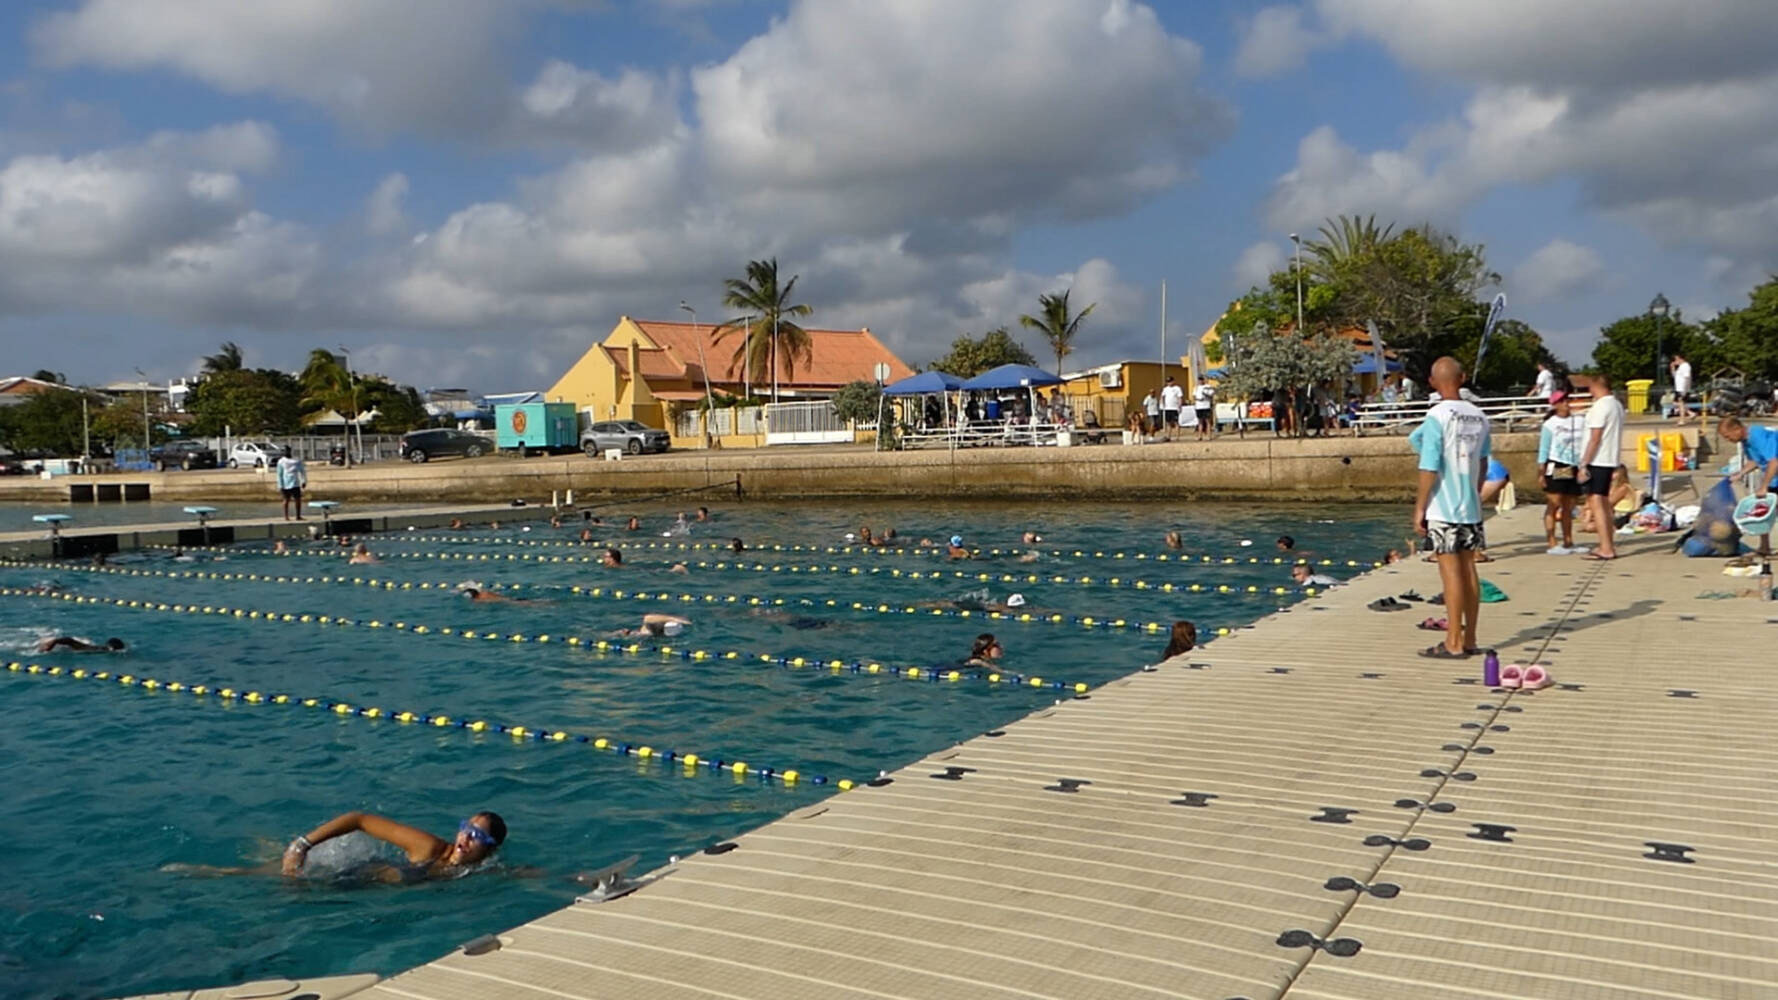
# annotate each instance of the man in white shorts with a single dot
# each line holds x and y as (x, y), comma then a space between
(1682, 387)
(1453, 445)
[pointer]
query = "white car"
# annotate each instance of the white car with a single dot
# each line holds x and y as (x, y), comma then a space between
(253, 455)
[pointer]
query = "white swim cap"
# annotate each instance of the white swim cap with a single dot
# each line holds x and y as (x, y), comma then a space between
(672, 628)
(850, 537)
(1016, 601)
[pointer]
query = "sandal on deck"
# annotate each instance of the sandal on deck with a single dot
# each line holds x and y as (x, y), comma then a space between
(1440, 652)
(1434, 625)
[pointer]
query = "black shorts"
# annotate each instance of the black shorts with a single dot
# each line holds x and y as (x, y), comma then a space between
(1203, 418)
(293, 493)
(1561, 479)
(1172, 417)
(1598, 482)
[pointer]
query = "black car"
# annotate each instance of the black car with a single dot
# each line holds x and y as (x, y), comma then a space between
(421, 446)
(185, 455)
(632, 436)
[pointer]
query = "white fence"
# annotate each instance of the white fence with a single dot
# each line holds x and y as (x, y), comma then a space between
(1504, 412)
(813, 422)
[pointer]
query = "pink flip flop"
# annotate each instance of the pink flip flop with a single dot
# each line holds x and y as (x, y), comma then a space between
(1534, 678)
(1512, 675)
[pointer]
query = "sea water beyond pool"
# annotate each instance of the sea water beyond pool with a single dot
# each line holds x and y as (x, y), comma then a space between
(116, 793)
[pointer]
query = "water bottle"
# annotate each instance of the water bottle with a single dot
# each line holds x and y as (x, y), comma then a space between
(1765, 580)
(1491, 670)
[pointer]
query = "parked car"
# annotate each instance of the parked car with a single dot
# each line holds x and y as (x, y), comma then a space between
(185, 455)
(254, 455)
(423, 446)
(631, 436)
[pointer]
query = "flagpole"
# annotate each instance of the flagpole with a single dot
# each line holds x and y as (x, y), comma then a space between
(1163, 332)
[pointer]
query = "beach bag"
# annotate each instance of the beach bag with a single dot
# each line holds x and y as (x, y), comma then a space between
(1714, 533)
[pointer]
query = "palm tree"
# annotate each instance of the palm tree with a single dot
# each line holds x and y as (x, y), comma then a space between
(227, 359)
(769, 334)
(1343, 240)
(326, 384)
(1053, 322)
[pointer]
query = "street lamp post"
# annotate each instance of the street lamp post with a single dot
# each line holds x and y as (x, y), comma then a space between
(1658, 309)
(147, 436)
(774, 356)
(1294, 238)
(356, 423)
(709, 403)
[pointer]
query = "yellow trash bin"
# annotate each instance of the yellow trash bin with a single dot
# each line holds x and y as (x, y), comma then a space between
(1638, 390)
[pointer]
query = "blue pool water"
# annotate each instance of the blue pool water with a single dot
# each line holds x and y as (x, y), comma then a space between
(110, 785)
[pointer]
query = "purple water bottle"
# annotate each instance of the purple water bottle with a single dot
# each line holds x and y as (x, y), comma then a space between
(1491, 670)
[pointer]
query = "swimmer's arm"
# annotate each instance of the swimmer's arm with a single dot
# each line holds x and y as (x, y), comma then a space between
(418, 844)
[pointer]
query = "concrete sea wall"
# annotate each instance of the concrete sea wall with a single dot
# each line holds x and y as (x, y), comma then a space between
(1259, 467)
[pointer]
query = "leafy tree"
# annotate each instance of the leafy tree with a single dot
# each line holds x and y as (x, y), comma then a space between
(767, 309)
(1261, 360)
(1344, 242)
(1626, 347)
(970, 356)
(120, 422)
(1416, 287)
(1514, 352)
(1056, 325)
(245, 401)
(45, 375)
(399, 407)
(46, 422)
(1746, 338)
(228, 359)
(857, 401)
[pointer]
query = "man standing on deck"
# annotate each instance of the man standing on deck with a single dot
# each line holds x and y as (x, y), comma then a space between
(293, 475)
(1599, 459)
(1453, 445)
(1151, 408)
(1682, 387)
(1172, 401)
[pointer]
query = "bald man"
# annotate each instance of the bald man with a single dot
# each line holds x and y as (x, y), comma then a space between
(1453, 445)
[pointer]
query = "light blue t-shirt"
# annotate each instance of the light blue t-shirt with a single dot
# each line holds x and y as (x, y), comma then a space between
(1761, 445)
(1562, 440)
(1453, 442)
(291, 473)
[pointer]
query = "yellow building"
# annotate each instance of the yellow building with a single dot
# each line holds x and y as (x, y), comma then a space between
(653, 372)
(1115, 390)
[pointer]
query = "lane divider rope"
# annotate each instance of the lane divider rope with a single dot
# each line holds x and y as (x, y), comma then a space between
(833, 665)
(692, 763)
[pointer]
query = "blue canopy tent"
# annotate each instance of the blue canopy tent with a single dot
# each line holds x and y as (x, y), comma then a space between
(1012, 377)
(924, 383)
(1367, 365)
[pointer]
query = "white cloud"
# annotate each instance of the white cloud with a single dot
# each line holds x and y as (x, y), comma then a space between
(1257, 263)
(1557, 270)
(383, 209)
(1274, 41)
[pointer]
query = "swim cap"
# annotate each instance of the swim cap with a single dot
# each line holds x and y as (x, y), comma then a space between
(1016, 601)
(851, 537)
(672, 628)
(957, 540)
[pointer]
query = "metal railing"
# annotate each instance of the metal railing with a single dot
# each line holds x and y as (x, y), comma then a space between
(1508, 413)
(813, 422)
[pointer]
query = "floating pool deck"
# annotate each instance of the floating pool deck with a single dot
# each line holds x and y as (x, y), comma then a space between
(81, 539)
(1304, 809)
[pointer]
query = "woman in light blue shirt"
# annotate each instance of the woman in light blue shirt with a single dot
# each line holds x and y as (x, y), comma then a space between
(1559, 447)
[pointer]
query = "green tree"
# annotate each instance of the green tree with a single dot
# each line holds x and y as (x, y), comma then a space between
(857, 401)
(1055, 323)
(1262, 360)
(46, 422)
(120, 422)
(327, 384)
(399, 407)
(770, 332)
(228, 359)
(1416, 287)
(970, 356)
(1626, 347)
(1344, 241)
(1746, 338)
(45, 375)
(1514, 352)
(245, 402)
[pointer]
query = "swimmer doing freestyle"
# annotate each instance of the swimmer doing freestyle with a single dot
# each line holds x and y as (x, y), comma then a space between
(428, 857)
(73, 645)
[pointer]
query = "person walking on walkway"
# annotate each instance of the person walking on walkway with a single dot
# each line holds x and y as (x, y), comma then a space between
(1599, 460)
(1453, 445)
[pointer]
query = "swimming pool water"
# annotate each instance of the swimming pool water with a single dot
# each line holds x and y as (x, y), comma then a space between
(110, 785)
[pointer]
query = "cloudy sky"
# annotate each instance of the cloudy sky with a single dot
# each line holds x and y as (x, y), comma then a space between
(468, 192)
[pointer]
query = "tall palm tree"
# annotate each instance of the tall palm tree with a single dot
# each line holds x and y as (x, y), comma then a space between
(326, 383)
(1053, 321)
(770, 335)
(1343, 240)
(228, 359)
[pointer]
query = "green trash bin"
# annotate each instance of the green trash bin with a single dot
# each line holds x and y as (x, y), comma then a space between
(1638, 390)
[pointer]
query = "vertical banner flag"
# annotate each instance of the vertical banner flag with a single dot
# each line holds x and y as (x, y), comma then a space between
(1493, 318)
(1370, 327)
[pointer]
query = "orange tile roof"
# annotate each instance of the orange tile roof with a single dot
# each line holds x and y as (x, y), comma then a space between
(654, 361)
(835, 356)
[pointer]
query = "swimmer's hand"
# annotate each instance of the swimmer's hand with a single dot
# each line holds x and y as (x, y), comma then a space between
(295, 855)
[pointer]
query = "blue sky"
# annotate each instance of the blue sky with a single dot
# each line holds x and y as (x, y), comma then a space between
(472, 191)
